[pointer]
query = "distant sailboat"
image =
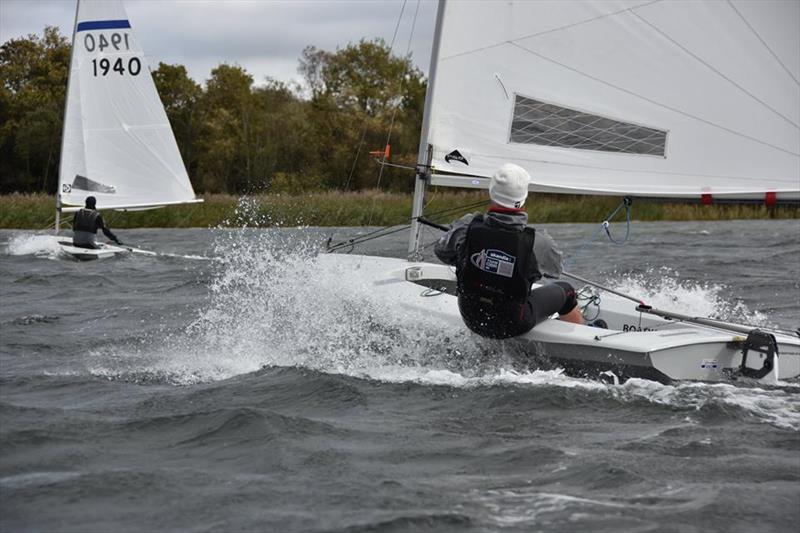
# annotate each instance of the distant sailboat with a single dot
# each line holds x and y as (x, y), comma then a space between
(684, 100)
(117, 143)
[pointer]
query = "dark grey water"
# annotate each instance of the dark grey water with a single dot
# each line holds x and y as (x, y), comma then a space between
(253, 392)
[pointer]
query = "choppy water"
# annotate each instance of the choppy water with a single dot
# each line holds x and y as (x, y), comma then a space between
(256, 392)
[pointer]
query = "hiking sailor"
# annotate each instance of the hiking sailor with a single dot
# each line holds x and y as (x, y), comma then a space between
(85, 224)
(498, 256)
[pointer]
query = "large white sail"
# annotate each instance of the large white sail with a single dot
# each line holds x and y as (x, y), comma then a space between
(118, 145)
(641, 98)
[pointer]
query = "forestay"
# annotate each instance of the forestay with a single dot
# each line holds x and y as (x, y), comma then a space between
(118, 145)
(639, 98)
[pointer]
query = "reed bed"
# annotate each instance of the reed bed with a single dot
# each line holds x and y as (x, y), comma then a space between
(368, 208)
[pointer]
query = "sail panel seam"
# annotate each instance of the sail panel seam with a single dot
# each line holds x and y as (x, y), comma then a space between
(719, 73)
(774, 55)
(554, 30)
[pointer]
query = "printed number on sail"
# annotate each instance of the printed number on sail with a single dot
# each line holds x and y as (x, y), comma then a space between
(134, 66)
(101, 42)
(115, 41)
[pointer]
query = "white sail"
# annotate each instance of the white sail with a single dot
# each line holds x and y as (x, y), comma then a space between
(118, 145)
(641, 98)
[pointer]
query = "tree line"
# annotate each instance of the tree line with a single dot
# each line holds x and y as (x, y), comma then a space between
(235, 136)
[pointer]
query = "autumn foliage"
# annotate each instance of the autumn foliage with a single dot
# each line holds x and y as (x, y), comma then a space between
(236, 134)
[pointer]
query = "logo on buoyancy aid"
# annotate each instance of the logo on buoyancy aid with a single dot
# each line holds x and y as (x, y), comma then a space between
(494, 262)
(455, 155)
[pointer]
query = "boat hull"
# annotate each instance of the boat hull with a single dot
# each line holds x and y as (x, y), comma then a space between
(87, 254)
(633, 345)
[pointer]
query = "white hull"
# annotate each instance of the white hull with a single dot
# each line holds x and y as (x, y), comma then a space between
(86, 254)
(634, 345)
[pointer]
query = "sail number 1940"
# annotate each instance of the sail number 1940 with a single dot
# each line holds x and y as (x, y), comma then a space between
(115, 41)
(134, 66)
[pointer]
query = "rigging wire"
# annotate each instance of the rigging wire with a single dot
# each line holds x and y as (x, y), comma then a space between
(605, 225)
(364, 129)
(435, 214)
(400, 91)
(394, 113)
(355, 159)
(349, 244)
(50, 225)
(592, 298)
(388, 230)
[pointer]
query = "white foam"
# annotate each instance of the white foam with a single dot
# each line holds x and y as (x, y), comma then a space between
(774, 406)
(528, 506)
(273, 304)
(32, 244)
(36, 479)
(664, 288)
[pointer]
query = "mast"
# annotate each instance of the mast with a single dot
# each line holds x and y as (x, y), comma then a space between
(64, 119)
(424, 156)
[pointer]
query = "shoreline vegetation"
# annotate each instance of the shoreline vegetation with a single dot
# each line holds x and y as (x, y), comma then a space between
(369, 208)
(234, 135)
(307, 149)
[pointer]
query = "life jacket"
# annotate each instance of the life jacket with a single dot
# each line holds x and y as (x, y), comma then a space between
(496, 264)
(86, 220)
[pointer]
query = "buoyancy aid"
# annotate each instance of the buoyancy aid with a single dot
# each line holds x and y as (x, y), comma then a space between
(86, 220)
(496, 263)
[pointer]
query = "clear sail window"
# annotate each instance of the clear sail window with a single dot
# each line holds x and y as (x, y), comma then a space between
(537, 122)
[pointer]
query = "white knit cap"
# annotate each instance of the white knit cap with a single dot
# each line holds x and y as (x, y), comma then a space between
(509, 186)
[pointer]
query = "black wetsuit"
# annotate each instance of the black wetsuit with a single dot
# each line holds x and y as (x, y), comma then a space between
(496, 263)
(85, 224)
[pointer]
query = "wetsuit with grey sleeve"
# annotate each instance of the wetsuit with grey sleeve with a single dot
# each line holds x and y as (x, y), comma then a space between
(497, 257)
(85, 224)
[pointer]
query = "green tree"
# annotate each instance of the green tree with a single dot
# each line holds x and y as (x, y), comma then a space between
(251, 134)
(180, 95)
(358, 95)
(227, 117)
(363, 77)
(234, 136)
(281, 138)
(33, 80)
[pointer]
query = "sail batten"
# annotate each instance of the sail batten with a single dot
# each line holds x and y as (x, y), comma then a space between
(657, 99)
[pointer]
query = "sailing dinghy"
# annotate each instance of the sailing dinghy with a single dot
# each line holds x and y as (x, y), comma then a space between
(117, 142)
(698, 101)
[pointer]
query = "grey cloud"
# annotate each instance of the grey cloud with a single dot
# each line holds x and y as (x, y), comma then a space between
(265, 37)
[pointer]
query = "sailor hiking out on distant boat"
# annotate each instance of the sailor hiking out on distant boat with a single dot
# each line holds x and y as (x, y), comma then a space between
(498, 257)
(85, 224)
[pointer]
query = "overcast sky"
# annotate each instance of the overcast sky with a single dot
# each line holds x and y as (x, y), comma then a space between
(265, 37)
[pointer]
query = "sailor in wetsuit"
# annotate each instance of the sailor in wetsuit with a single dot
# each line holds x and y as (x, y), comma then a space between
(498, 256)
(85, 224)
